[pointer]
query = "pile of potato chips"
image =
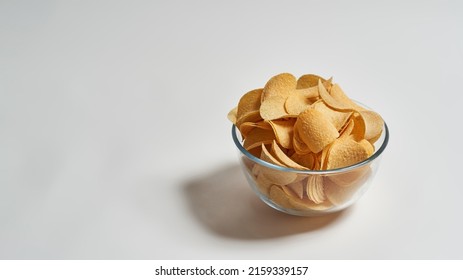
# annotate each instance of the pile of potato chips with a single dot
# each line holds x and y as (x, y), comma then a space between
(306, 124)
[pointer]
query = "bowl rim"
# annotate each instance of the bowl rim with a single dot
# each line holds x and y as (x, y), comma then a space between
(376, 154)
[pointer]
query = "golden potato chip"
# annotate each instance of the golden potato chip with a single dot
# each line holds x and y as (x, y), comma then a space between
(331, 101)
(309, 80)
(341, 188)
(299, 146)
(249, 102)
(338, 94)
(256, 151)
(337, 118)
(248, 117)
(306, 160)
(274, 96)
(357, 177)
(369, 148)
(358, 131)
(232, 115)
(296, 103)
(295, 189)
(257, 137)
(315, 189)
(315, 130)
(307, 204)
(279, 197)
(345, 152)
(276, 176)
(347, 129)
(322, 158)
(283, 158)
(373, 124)
(262, 182)
(283, 130)
(246, 127)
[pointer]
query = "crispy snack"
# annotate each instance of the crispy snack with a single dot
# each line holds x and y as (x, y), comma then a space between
(306, 124)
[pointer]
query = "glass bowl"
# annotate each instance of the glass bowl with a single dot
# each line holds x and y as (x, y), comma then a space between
(288, 190)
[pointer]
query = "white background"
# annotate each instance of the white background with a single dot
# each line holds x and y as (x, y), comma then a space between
(114, 141)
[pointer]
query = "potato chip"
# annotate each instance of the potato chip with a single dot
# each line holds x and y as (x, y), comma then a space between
(299, 146)
(232, 115)
(369, 148)
(295, 189)
(341, 188)
(308, 80)
(249, 102)
(246, 127)
(258, 136)
(248, 117)
(349, 178)
(306, 160)
(315, 130)
(297, 103)
(283, 130)
(315, 189)
(347, 129)
(279, 197)
(283, 158)
(345, 152)
(338, 94)
(307, 204)
(373, 124)
(331, 101)
(263, 183)
(358, 131)
(276, 176)
(274, 96)
(337, 118)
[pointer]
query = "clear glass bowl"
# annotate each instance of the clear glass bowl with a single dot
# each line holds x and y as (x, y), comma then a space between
(288, 190)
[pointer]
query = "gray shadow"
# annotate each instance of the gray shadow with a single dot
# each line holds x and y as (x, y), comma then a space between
(224, 203)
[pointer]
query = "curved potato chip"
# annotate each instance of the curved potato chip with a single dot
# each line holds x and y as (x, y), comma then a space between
(274, 96)
(337, 93)
(373, 124)
(342, 188)
(345, 152)
(248, 117)
(276, 176)
(297, 103)
(307, 204)
(323, 157)
(315, 130)
(306, 160)
(311, 80)
(337, 118)
(331, 101)
(232, 115)
(299, 146)
(315, 189)
(249, 102)
(308, 80)
(279, 197)
(356, 177)
(246, 127)
(369, 148)
(283, 158)
(358, 131)
(257, 137)
(284, 130)
(295, 189)
(347, 129)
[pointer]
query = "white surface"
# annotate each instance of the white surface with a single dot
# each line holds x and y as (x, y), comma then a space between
(115, 143)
